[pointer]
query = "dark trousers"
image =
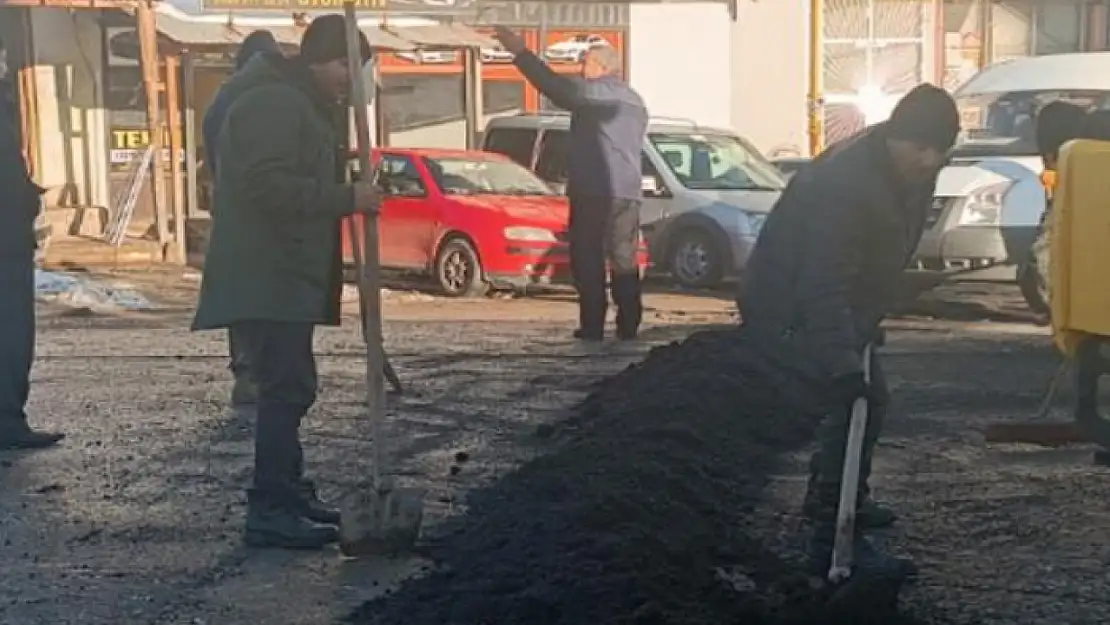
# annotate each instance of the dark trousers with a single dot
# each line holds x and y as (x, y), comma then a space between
(827, 464)
(605, 230)
(285, 372)
(17, 339)
(240, 355)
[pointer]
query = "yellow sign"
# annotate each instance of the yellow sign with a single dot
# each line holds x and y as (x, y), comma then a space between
(294, 5)
(134, 138)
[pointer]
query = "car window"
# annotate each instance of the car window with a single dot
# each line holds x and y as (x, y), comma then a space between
(399, 176)
(716, 162)
(551, 165)
(516, 143)
(480, 176)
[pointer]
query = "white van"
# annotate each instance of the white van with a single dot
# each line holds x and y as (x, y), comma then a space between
(989, 200)
(707, 191)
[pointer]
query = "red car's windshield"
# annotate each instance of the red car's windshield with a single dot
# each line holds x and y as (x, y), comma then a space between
(462, 176)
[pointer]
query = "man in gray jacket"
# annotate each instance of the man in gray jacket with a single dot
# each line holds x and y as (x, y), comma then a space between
(825, 272)
(607, 127)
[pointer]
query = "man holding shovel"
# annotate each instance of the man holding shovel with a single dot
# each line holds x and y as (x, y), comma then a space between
(824, 273)
(274, 266)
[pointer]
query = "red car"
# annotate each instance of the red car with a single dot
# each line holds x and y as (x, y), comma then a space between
(472, 220)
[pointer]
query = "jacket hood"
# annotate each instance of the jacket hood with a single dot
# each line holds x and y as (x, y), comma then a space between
(272, 68)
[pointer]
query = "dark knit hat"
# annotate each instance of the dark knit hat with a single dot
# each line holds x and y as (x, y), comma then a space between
(926, 116)
(258, 42)
(325, 40)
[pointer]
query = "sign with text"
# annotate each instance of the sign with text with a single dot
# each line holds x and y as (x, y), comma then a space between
(128, 145)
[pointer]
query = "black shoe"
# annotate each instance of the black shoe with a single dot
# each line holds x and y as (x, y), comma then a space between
(313, 509)
(594, 337)
(627, 334)
(284, 529)
(867, 559)
(29, 439)
(870, 515)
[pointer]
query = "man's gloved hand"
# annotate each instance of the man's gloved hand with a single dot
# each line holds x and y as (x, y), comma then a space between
(849, 387)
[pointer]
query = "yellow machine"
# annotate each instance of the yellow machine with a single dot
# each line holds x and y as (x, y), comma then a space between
(1079, 264)
(1079, 244)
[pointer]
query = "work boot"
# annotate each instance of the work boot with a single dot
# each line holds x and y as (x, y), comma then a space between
(271, 525)
(591, 336)
(244, 393)
(312, 508)
(867, 559)
(23, 437)
(870, 515)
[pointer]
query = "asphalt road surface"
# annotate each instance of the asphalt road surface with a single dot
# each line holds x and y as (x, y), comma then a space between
(136, 519)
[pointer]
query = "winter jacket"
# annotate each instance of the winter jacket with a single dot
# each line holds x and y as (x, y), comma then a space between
(19, 196)
(829, 259)
(274, 252)
(607, 126)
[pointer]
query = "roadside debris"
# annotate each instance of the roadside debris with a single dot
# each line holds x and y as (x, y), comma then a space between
(85, 293)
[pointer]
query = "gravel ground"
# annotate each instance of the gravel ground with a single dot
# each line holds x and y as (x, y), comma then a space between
(136, 519)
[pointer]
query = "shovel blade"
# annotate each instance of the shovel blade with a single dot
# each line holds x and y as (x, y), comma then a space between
(385, 522)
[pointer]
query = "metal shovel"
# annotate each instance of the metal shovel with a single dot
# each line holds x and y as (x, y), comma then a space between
(844, 546)
(386, 520)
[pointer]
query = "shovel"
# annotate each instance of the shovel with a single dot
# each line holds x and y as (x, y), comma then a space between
(386, 520)
(841, 568)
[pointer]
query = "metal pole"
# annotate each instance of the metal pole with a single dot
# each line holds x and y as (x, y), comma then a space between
(472, 96)
(815, 97)
(173, 114)
(191, 190)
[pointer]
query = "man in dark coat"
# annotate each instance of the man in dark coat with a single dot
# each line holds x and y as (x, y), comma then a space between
(274, 267)
(825, 271)
(244, 392)
(607, 128)
(19, 205)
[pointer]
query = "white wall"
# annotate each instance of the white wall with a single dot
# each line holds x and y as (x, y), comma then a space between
(72, 155)
(680, 61)
(769, 71)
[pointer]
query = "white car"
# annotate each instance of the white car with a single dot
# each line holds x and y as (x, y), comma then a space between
(989, 199)
(429, 56)
(574, 49)
(706, 191)
(496, 54)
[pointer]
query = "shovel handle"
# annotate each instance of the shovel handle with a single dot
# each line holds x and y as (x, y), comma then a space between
(840, 568)
(368, 270)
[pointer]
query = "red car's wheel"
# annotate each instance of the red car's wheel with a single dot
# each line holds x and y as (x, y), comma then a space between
(458, 269)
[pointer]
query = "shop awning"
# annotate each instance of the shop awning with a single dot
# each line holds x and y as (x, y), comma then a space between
(194, 32)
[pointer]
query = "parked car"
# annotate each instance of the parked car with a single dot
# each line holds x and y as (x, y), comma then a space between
(990, 199)
(707, 191)
(472, 220)
(496, 54)
(574, 49)
(790, 165)
(429, 56)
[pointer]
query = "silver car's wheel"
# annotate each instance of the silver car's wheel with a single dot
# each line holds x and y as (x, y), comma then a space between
(696, 259)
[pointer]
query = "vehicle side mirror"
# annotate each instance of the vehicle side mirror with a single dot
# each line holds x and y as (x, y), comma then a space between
(650, 186)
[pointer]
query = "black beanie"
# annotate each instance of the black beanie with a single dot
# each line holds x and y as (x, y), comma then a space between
(325, 40)
(258, 42)
(926, 116)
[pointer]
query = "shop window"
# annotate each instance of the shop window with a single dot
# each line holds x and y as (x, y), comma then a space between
(516, 143)
(1058, 28)
(551, 165)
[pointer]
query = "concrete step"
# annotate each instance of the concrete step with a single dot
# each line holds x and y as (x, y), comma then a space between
(83, 252)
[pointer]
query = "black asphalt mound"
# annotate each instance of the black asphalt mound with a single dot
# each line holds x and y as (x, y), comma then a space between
(641, 514)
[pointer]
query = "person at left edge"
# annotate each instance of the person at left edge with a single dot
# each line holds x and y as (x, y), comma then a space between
(244, 392)
(19, 205)
(274, 266)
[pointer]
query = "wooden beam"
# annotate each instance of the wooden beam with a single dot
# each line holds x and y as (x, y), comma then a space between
(148, 58)
(173, 114)
(1057, 434)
